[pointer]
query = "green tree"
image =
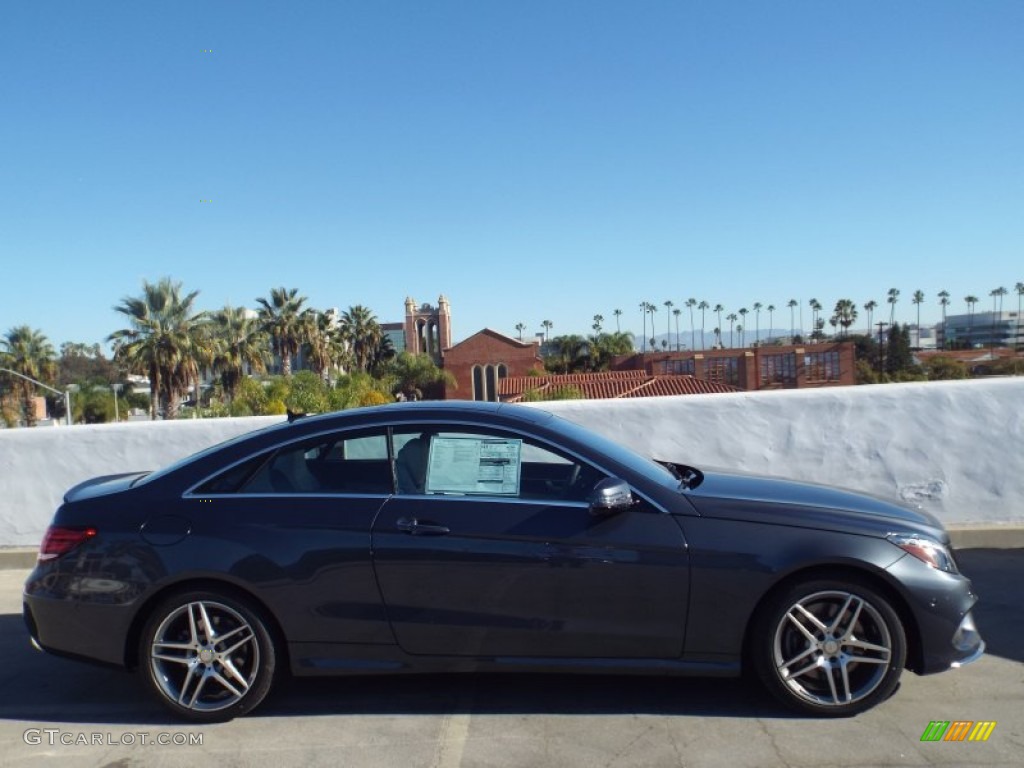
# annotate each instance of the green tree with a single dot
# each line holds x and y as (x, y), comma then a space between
(520, 327)
(417, 377)
(971, 301)
(28, 352)
(690, 304)
(566, 352)
(893, 296)
(325, 346)
(567, 392)
(732, 318)
(870, 308)
(163, 341)
(703, 306)
(898, 358)
(996, 294)
(918, 300)
(845, 314)
(362, 333)
(281, 318)
(942, 368)
(792, 304)
(943, 303)
(239, 344)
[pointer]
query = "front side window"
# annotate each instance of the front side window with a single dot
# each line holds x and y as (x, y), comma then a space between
(437, 461)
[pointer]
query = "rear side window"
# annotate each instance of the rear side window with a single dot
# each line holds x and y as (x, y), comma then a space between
(234, 478)
(345, 463)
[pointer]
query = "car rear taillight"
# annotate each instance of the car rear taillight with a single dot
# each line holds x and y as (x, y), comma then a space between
(61, 539)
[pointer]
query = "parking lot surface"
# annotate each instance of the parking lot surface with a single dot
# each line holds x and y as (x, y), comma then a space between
(52, 709)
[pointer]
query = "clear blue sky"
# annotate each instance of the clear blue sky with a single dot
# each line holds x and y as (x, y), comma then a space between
(531, 160)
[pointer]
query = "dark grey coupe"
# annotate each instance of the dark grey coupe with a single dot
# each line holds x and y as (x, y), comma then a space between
(430, 537)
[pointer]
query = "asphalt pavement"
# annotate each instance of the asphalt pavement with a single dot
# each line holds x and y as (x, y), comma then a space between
(55, 709)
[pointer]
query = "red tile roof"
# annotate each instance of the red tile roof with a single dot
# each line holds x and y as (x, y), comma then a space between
(610, 384)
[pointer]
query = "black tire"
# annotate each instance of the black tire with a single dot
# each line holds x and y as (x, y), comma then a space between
(202, 678)
(830, 648)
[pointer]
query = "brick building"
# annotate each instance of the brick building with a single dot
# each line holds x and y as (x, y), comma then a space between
(796, 366)
(480, 362)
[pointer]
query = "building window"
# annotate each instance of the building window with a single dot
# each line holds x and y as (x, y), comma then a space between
(778, 370)
(478, 383)
(722, 370)
(822, 366)
(492, 383)
(675, 367)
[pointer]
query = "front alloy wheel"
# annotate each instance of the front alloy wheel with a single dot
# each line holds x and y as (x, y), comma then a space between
(207, 656)
(830, 648)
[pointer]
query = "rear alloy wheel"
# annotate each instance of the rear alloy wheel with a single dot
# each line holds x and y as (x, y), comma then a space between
(830, 648)
(207, 656)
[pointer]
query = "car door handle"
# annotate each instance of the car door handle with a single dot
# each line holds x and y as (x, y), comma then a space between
(416, 528)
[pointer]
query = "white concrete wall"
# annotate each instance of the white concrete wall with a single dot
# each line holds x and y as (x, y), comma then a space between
(957, 448)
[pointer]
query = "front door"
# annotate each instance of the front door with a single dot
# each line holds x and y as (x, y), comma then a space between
(499, 555)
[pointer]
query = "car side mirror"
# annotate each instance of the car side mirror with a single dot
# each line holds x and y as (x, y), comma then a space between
(609, 496)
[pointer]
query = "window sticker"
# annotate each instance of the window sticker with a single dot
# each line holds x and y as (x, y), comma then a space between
(473, 465)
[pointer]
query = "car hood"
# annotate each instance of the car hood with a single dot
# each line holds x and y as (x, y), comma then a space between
(787, 502)
(101, 486)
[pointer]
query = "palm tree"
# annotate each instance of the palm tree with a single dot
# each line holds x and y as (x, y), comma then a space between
(870, 308)
(417, 377)
(731, 317)
(281, 319)
(362, 334)
(997, 293)
(918, 299)
(652, 308)
(719, 309)
(568, 349)
(598, 320)
(618, 314)
(27, 351)
(162, 341)
(792, 303)
(970, 301)
(845, 314)
(944, 302)
(757, 323)
(668, 319)
(676, 313)
(238, 343)
(893, 297)
(1019, 288)
(690, 304)
(547, 325)
(743, 316)
(324, 342)
(739, 330)
(643, 313)
(771, 314)
(817, 321)
(520, 327)
(703, 306)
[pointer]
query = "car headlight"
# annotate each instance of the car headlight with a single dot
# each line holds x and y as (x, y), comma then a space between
(926, 550)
